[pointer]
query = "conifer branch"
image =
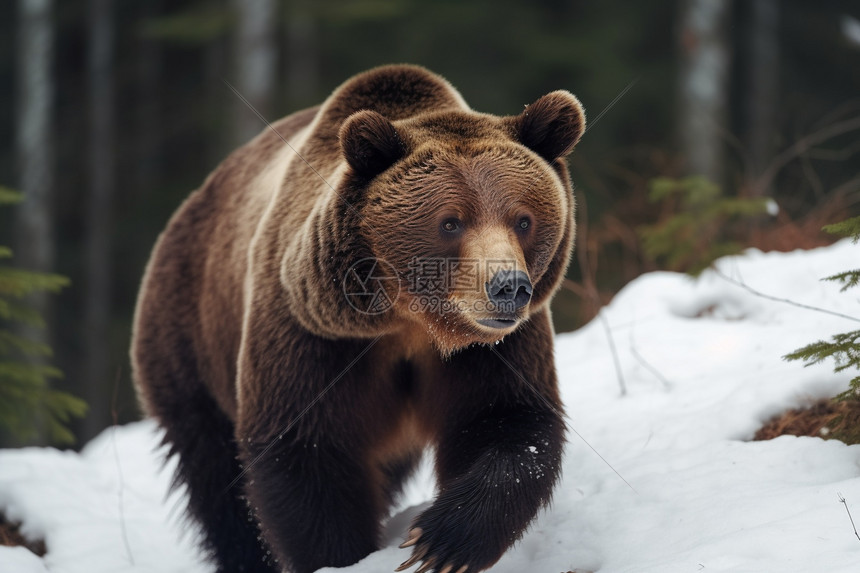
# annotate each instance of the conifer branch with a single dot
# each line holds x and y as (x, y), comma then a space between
(26, 395)
(847, 228)
(843, 348)
(849, 279)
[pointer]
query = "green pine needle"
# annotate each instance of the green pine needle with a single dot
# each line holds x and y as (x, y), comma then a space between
(843, 349)
(698, 230)
(9, 197)
(847, 228)
(848, 279)
(29, 406)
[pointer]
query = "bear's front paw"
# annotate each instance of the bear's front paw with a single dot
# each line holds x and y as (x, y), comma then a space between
(454, 540)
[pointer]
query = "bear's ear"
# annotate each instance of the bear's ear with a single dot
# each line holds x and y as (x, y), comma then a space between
(370, 143)
(552, 125)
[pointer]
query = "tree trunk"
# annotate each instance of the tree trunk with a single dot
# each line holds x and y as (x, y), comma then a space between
(302, 55)
(704, 48)
(762, 86)
(98, 247)
(255, 59)
(148, 106)
(34, 229)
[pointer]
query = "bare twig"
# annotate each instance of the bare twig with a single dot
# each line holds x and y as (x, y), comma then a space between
(844, 109)
(748, 288)
(618, 372)
(845, 503)
(589, 271)
(584, 292)
(734, 143)
(835, 154)
(800, 147)
(647, 365)
(845, 188)
(121, 485)
(811, 176)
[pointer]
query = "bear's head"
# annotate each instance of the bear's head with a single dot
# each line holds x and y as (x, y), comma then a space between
(472, 213)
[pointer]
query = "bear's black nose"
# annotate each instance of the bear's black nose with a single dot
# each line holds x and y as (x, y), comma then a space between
(509, 290)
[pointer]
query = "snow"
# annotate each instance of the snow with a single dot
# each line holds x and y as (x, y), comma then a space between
(772, 207)
(659, 478)
(103, 510)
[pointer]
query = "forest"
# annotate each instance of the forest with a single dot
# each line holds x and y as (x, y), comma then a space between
(713, 126)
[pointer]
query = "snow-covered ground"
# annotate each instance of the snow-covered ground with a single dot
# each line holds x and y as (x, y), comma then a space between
(661, 479)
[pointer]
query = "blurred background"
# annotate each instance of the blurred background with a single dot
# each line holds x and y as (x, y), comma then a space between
(714, 125)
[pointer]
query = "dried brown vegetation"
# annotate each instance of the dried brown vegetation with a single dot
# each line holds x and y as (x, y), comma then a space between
(10, 536)
(827, 419)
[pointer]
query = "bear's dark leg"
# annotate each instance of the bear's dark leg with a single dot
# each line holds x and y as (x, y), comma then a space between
(317, 505)
(493, 479)
(306, 431)
(499, 452)
(202, 436)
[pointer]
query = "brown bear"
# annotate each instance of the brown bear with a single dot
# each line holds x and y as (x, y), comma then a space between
(364, 280)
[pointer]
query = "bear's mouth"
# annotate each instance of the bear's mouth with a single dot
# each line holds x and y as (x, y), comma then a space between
(499, 322)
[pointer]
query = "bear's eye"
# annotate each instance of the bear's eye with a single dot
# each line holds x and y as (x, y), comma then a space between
(451, 225)
(524, 223)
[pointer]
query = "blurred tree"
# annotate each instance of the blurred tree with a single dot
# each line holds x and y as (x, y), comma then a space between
(762, 81)
(35, 146)
(149, 95)
(703, 80)
(301, 54)
(97, 292)
(255, 61)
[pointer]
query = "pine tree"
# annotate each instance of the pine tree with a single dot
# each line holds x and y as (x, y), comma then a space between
(843, 348)
(28, 405)
(697, 224)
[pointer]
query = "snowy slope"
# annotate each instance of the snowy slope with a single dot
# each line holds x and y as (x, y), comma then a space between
(660, 479)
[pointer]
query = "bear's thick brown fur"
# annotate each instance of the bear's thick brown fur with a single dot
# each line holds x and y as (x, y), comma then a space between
(363, 280)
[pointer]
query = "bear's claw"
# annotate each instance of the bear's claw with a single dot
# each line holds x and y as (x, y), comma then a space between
(414, 534)
(417, 555)
(427, 565)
